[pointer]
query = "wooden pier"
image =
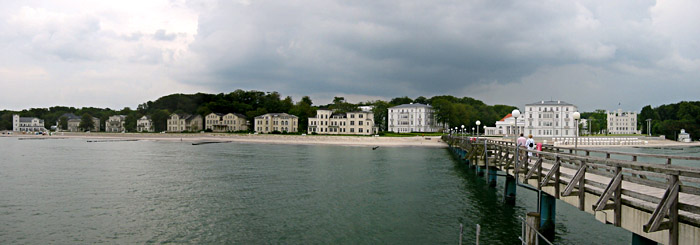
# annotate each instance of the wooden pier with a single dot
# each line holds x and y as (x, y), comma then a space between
(657, 202)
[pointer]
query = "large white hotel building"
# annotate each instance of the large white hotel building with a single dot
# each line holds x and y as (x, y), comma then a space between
(550, 119)
(412, 117)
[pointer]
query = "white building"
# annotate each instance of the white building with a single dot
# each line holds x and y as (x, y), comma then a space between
(366, 108)
(27, 124)
(412, 117)
(144, 124)
(506, 126)
(327, 122)
(622, 122)
(280, 122)
(684, 137)
(230, 122)
(115, 123)
(550, 119)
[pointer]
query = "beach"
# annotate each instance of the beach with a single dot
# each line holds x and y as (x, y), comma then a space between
(427, 141)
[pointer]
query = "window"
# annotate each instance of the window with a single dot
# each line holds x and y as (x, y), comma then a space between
(352, 130)
(360, 115)
(352, 123)
(359, 123)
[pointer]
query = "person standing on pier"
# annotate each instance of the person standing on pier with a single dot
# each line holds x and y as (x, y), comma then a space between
(521, 141)
(530, 144)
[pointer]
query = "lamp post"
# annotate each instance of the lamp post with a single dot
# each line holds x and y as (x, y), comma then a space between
(472, 130)
(477, 128)
(462, 129)
(516, 114)
(577, 116)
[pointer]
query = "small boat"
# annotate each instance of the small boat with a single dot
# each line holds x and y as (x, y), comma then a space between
(374, 148)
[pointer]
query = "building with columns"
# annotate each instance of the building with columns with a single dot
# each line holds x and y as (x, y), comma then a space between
(506, 126)
(550, 119)
(620, 122)
(412, 117)
(230, 122)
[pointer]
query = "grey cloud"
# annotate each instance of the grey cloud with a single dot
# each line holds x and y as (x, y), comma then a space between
(162, 36)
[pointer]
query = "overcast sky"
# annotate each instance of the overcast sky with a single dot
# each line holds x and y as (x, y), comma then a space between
(594, 54)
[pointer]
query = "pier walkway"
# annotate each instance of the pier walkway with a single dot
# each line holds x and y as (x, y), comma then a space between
(657, 202)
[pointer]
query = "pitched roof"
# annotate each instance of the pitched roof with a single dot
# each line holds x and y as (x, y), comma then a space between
(277, 115)
(412, 105)
(550, 102)
(507, 116)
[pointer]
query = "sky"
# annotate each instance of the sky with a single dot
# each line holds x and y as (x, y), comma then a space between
(594, 54)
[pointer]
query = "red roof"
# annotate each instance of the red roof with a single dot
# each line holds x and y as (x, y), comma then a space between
(507, 116)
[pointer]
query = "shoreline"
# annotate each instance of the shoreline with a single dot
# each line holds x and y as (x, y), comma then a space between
(417, 141)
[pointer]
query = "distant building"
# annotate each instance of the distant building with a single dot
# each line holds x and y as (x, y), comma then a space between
(115, 123)
(684, 137)
(281, 122)
(184, 123)
(327, 122)
(144, 124)
(366, 108)
(506, 126)
(74, 123)
(622, 122)
(231, 122)
(550, 119)
(27, 124)
(412, 117)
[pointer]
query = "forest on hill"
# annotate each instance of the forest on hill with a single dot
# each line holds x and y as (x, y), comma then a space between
(449, 109)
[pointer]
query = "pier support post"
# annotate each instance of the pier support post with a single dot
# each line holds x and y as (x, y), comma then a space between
(533, 222)
(493, 174)
(548, 207)
(509, 190)
(640, 240)
(479, 169)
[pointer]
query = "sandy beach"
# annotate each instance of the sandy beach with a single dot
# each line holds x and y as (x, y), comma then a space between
(428, 141)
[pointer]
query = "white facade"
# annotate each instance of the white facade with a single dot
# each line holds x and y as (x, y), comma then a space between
(622, 122)
(27, 124)
(506, 126)
(115, 123)
(408, 118)
(326, 122)
(144, 124)
(281, 122)
(550, 119)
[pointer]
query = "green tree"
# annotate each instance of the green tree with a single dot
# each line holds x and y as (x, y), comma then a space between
(63, 123)
(160, 120)
(86, 122)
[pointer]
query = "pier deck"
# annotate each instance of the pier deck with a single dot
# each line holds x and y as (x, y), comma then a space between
(660, 202)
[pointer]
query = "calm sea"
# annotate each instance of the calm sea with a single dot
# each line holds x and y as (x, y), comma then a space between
(69, 191)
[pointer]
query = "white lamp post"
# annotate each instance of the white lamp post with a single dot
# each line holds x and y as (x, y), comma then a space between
(462, 129)
(577, 116)
(516, 114)
(477, 128)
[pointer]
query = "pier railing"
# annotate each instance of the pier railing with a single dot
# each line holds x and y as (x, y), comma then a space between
(670, 193)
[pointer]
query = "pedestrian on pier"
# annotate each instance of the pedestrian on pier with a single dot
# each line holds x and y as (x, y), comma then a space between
(521, 141)
(530, 144)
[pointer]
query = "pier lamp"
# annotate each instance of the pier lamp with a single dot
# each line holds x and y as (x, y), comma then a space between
(462, 129)
(472, 130)
(516, 114)
(577, 116)
(477, 128)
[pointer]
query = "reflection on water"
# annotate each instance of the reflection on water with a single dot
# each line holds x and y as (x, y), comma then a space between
(71, 191)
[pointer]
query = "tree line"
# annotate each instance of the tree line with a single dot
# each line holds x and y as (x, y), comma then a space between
(449, 110)
(670, 119)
